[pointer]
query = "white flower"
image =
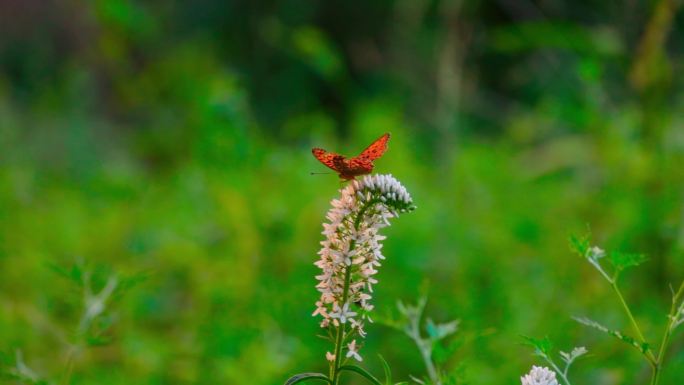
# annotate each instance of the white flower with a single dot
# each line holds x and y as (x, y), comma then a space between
(539, 376)
(342, 314)
(329, 356)
(353, 351)
(351, 251)
(595, 253)
(358, 326)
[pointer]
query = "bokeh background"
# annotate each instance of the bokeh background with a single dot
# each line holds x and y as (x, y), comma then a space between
(171, 140)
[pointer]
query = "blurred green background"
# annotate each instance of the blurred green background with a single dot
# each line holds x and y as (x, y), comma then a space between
(172, 139)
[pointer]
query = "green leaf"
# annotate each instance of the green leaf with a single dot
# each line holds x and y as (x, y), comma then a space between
(362, 372)
(440, 331)
(622, 261)
(73, 273)
(386, 368)
(642, 347)
(580, 244)
(301, 377)
(542, 346)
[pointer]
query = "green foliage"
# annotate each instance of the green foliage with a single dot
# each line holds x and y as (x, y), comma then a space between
(641, 347)
(388, 373)
(361, 372)
(433, 348)
(622, 261)
(174, 138)
(580, 244)
(542, 346)
(306, 377)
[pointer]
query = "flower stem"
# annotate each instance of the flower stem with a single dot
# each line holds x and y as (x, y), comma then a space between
(69, 366)
(341, 328)
(423, 345)
(345, 295)
(563, 374)
(666, 336)
(648, 354)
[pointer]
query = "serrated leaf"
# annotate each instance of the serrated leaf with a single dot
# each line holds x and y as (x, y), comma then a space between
(73, 273)
(641, 347)
(576, 352)
(297, 378)
(580, 244)
(542, 345)
(362, 372)
(440, 331)
(622, 261)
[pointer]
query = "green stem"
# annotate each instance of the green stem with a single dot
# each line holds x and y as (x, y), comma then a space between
(345, 296)
(562, 374)
(69, 366)
(666, 336)
(648, 354)
(342, 327)
(423, 345)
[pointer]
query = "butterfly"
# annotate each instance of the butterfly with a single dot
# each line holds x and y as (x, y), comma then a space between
(358, 165)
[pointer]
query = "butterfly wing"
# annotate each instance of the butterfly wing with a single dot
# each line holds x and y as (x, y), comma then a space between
(360, 165)
(375, 150)
(329, 159)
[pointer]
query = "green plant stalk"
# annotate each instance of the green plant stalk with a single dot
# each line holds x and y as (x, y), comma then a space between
(341, 329)
(561, 373)
(648, 355)
(345, 295)
(69, 366)
(426, 354)
(666, 336)
(424, 346)
(432, 371)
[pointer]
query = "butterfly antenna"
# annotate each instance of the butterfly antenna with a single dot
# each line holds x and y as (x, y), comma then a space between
(319, 173)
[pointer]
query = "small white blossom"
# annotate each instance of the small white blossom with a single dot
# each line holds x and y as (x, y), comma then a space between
(342, 314)
(329, 356)
(358, 326)
(595, 253)
(354, 351)
(351, 251)
(539, 376)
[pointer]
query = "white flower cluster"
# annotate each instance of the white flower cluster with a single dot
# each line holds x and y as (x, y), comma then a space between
(539, 376)
(351, 251)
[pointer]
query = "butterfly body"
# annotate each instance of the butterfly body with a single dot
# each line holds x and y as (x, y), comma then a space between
(349, 168)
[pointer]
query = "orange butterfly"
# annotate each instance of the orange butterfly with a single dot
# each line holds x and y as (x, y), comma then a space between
(358, 165)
